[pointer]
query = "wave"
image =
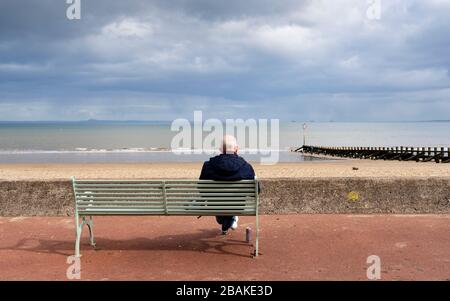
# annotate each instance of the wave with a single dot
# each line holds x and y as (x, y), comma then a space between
(82, 150)
(86, 150)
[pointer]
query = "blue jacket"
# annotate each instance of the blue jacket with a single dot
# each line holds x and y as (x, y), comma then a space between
(227, 167)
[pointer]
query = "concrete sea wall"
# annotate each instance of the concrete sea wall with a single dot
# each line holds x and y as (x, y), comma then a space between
(279, 196)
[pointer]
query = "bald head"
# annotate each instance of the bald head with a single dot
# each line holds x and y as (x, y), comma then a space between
(229, 145)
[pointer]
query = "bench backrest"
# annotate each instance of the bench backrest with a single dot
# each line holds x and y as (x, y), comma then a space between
(165, 197)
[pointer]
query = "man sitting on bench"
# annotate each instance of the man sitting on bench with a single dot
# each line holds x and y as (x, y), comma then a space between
(227, 166)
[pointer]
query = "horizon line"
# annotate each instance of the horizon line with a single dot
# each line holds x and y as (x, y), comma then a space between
(167, 121)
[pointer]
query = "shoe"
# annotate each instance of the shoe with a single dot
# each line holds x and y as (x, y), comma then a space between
(234, 225)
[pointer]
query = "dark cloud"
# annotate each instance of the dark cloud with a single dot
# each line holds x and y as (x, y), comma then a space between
(286, 59)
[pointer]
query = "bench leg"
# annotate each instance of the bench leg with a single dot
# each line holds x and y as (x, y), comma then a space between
(79, 230)
(90, 225)
(257, 237)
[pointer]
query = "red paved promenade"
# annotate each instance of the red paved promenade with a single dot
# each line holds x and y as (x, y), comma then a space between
(294, 247)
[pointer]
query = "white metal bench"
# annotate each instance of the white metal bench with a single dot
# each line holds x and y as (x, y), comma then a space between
(162, 197)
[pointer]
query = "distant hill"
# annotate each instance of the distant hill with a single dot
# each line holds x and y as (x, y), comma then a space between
(89, 121)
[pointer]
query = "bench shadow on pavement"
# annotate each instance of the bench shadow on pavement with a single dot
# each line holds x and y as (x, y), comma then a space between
(203, 241)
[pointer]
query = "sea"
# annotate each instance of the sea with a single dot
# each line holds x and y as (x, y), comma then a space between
(137, 141)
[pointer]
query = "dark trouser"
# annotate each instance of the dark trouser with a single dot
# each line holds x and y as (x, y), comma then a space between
(225, 221)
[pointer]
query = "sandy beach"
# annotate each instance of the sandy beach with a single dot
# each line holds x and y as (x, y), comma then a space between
(320, 169)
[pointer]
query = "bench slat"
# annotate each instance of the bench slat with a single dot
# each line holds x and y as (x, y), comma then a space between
(112, 185)
(197, 193)
(206, 181)
(161, 212)
(213, 206)
(193, 198)
(202, 212)
(170, 208)
(121, 211)
(160, 181)
(206, 195)
(222, 185)
(116, 207)
(118, 181)
(213, 202)
(169, 203)
(118, 189)
(87, 194)
(119, 198)
(187, 203)
(214, 189)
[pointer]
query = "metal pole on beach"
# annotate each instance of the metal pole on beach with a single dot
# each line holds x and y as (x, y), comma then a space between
(305, 126)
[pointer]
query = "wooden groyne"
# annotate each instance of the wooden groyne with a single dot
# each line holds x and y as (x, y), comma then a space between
(400, 153)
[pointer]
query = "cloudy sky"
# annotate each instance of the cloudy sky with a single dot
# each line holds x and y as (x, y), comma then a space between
(289, 59)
